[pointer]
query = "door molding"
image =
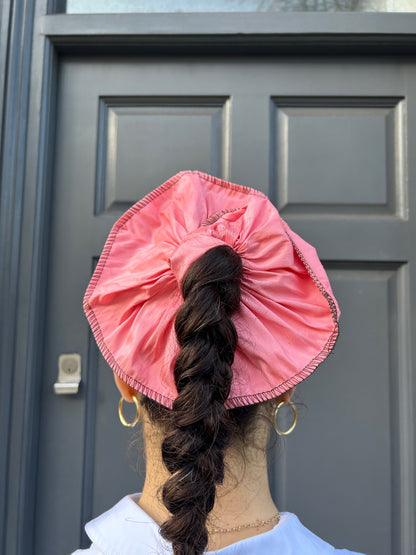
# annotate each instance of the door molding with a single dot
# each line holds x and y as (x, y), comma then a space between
(28, 123)
(258, 33)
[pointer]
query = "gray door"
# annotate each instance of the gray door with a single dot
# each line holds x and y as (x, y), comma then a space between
(328, 141)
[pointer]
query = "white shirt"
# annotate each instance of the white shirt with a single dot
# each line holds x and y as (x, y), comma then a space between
(127, 530)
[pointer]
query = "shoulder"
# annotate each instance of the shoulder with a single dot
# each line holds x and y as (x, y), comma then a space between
(289, 537)
(126, 529)
(303, 539)
(295, 538)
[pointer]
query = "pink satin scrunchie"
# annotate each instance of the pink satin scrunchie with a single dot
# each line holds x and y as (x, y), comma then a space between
(288, 320)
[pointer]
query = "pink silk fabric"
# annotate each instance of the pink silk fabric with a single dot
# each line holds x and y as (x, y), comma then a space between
(288, 320)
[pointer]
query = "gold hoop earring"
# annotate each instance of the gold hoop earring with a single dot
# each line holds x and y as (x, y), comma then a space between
(295, 419)
(121, 415)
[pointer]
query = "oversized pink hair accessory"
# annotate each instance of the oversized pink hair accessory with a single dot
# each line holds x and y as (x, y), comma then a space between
(287, 323)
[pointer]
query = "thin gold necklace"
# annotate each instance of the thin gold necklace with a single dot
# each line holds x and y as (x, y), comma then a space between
(256, 524)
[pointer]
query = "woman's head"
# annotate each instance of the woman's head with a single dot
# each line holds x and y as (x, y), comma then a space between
(206, 302)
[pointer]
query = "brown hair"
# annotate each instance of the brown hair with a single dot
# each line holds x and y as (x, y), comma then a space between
(199, 428)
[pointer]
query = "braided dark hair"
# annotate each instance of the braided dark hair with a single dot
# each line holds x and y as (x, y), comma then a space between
(200, 428)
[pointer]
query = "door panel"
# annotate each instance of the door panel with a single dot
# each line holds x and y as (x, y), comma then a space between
(327, 141)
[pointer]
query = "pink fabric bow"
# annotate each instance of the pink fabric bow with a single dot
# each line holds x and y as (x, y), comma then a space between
(288, 320)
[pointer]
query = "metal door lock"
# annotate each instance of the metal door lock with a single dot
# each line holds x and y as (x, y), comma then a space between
(69, 374)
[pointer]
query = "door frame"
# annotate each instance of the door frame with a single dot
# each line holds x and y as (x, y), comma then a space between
(33, 43)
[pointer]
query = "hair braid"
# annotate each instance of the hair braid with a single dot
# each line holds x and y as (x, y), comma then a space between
(193, 450)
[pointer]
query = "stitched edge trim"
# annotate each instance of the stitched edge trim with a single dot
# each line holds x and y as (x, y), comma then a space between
(217, 215)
